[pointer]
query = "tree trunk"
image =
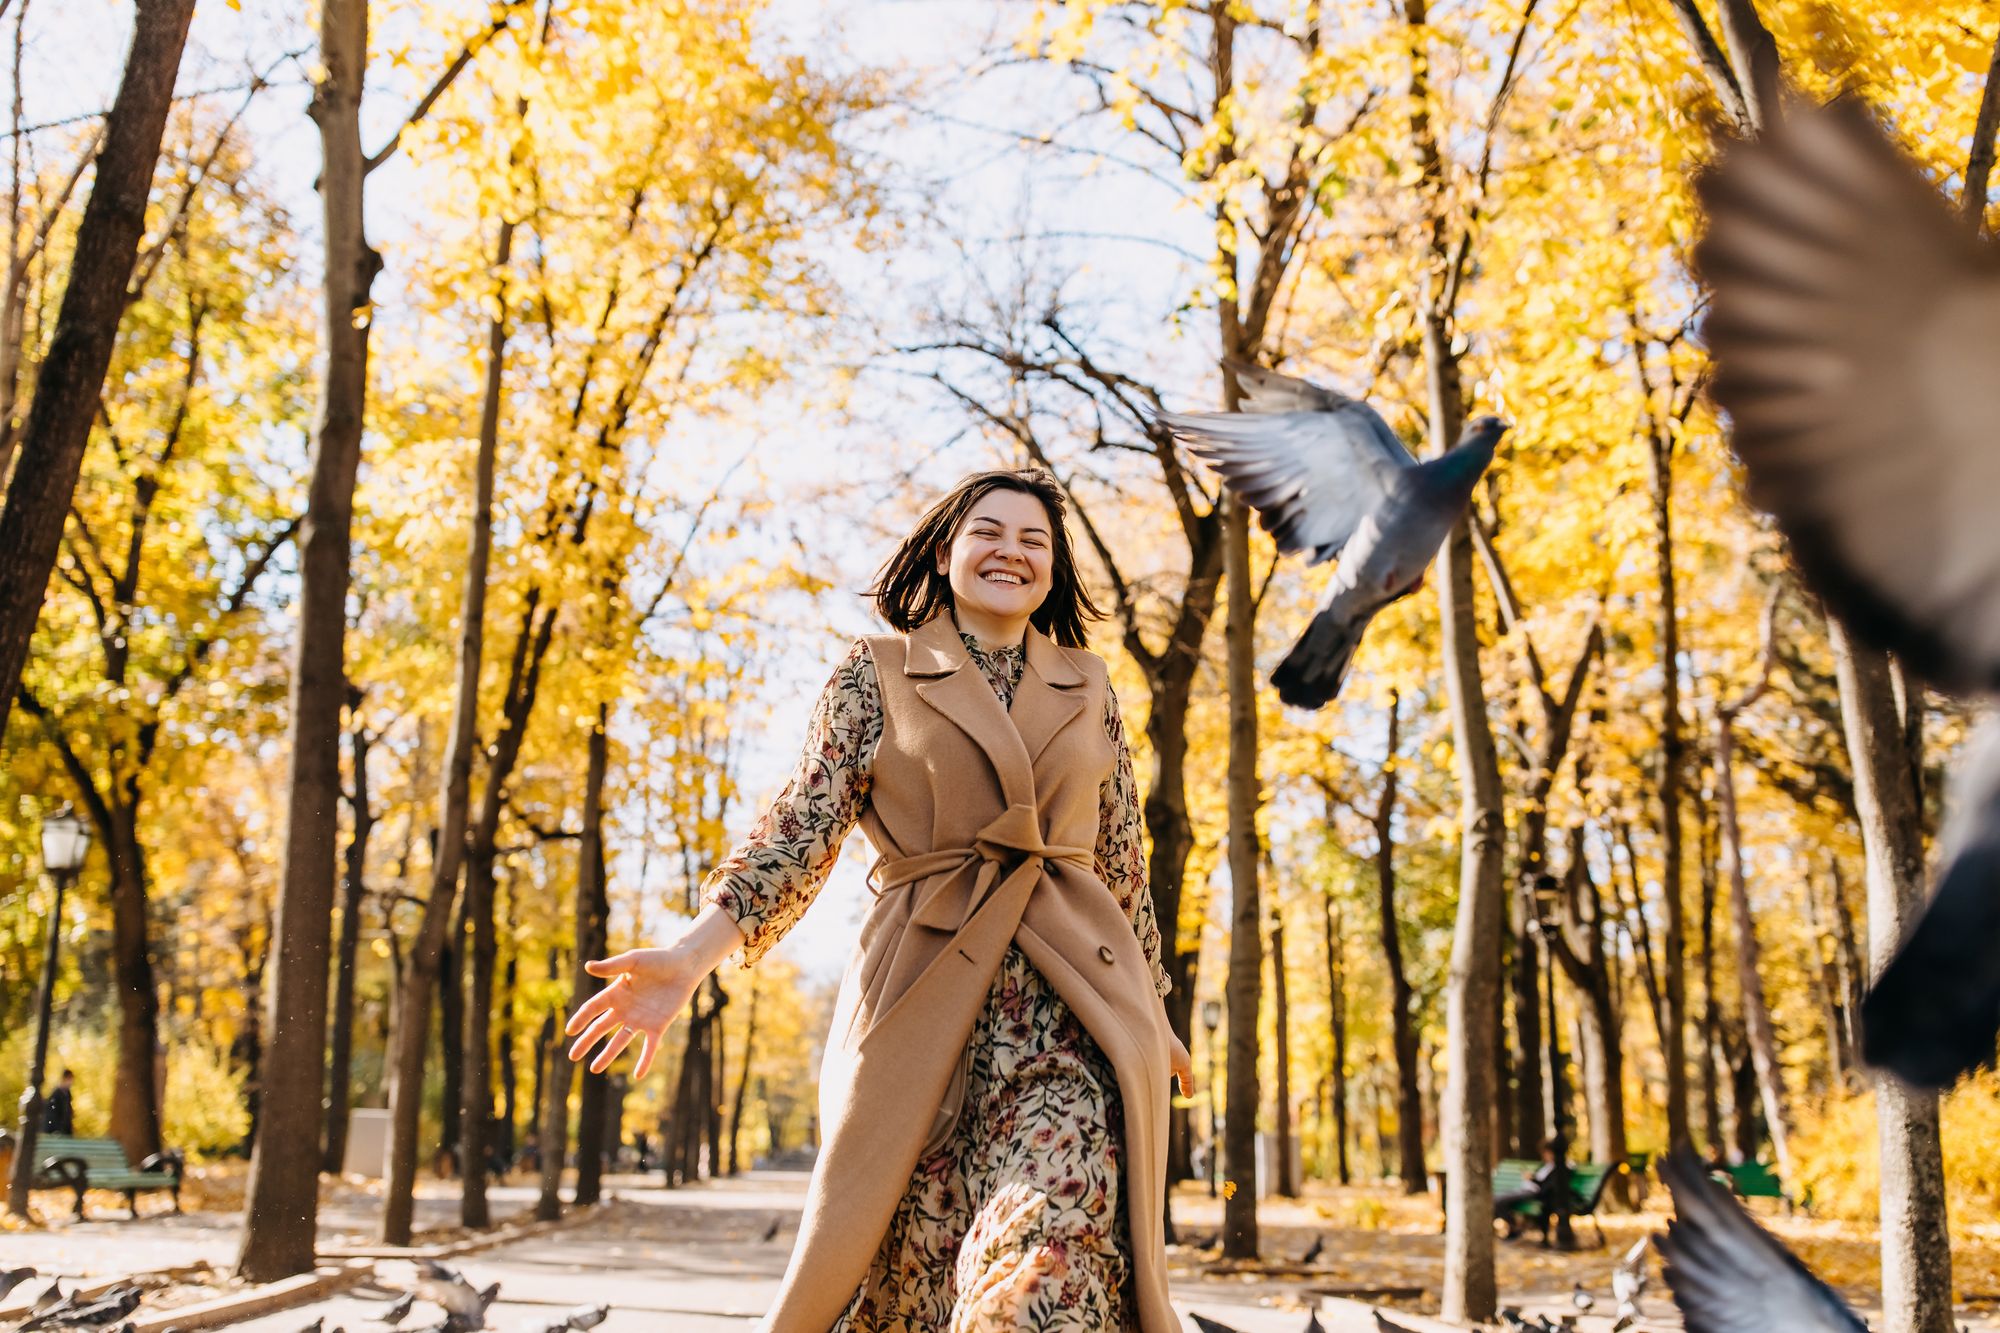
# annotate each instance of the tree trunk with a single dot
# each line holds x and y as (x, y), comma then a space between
(476, 1092)
(1336, 1002)
(554, 1127)
(509, 983)
(1749, 976)
(593, 911)
(1916, 1251)
(1672, 764)
(1402, 999)
(340, 1047)
(1245, 984)
(282, 1198)
(135, 1120)
(71, 375)
(475, 1103)
(1711, 1098)
(743, 1080)
(1282, 1183)
(1528, 1124)
(451, 1038)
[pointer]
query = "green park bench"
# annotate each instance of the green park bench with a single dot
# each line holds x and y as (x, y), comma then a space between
(1758, 1180)
(99, 1164)
(1586, 1190)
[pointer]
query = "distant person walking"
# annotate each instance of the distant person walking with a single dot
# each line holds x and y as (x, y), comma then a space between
(59, 1116)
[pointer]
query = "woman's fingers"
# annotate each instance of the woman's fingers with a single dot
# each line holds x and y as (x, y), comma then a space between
(587, 1012)
(613, 1049)
(612, 966)
(604, 1024)
(649, 1043)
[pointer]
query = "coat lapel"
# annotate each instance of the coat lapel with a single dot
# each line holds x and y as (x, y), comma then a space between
(969, 703)
(1049, 698)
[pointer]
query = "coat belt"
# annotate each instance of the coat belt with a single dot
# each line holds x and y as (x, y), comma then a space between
(1011, 844)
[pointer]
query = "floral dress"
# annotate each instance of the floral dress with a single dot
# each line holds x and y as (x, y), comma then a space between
(1016, 1221)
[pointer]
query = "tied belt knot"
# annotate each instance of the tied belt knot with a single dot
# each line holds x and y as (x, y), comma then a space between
(1008, 847)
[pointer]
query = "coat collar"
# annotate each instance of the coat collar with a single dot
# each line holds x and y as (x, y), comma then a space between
(937, 650)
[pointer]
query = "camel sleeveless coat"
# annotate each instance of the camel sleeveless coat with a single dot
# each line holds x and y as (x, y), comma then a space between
(983, 821)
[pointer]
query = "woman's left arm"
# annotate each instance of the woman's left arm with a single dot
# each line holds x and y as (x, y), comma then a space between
(1121, 844)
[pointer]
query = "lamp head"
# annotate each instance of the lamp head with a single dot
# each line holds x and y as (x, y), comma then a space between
(65, 840)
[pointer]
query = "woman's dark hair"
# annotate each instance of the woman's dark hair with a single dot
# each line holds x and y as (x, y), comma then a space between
(909, 590)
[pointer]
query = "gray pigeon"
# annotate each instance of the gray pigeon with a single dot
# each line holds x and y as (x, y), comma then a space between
(586, 1316)
(397, 1310)
(1384, 1324)
(13, 1278)
(458, 1298)
(1327, 476)
(52, 1295)
(1729, 1274)
(1855, 325)
(1628, 1282)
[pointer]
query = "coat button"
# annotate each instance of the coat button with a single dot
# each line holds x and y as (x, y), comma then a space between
(1104, 952)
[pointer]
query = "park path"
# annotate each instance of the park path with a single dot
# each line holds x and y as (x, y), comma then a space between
(707, 1259)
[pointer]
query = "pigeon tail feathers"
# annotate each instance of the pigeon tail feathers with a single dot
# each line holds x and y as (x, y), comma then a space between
(1312, 672)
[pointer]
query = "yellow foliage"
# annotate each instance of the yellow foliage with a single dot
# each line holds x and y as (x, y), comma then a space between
(1836, 1160)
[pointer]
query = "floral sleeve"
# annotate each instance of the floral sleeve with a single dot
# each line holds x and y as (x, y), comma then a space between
(1121, 847)
(773, 875)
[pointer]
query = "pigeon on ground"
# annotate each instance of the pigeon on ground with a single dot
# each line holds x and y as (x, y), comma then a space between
(1581, 1298)
(1384, 1324)
(1327, 476)
(1855, 325)
(1314, 1251)
(1728, 1274)
(771, 1232)
(582, 1317)
(458, 1298)
(314, 1326)
(109, 1308)
(397, 1310)
(1628, 1282)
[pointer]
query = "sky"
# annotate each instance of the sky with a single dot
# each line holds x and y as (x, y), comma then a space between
(957, 155)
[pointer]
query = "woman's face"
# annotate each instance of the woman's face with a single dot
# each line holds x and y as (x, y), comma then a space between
(1002, 558)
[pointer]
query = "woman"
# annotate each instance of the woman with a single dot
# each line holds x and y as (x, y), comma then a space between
(995, 1089)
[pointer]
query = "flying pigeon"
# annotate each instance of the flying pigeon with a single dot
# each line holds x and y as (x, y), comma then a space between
(1855, 325)
(52, 1295)
(13, 1278)
(1328, 477)
(397, 1310)
(1728, 1274)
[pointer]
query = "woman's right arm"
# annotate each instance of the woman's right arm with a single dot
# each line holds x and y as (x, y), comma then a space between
(761, 888)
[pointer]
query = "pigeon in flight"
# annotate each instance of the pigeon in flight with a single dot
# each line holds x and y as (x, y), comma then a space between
(1628, 1283)
(13, 1278)
(1855, 327)
(1328, 477)
(1729, 1274)
(397, 1310)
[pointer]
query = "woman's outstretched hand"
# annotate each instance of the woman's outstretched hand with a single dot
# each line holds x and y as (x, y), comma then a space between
(1182, 1065)
(648, 990)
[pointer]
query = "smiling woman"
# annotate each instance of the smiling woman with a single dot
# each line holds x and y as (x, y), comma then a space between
(995, 1088)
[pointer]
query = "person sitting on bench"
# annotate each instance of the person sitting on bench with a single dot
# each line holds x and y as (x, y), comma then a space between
(1541, 1181)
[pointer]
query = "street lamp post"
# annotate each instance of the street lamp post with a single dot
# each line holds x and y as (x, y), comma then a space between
(65, 839)
(1211, 1018)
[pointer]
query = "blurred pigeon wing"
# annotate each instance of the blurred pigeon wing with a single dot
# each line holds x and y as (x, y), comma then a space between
(1311, 476)
(1728, 1274)
(1934, 1013)
(1855, 327)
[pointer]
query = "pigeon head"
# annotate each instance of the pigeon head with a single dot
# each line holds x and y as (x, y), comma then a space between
(1459, 468)
(1483, 430)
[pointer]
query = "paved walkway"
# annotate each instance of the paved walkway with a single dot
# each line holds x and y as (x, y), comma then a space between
(708, 1258)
